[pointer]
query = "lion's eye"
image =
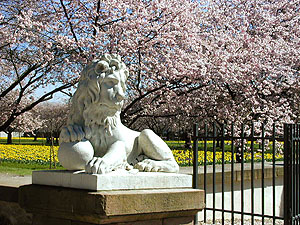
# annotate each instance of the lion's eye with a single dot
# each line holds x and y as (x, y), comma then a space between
(111, 82)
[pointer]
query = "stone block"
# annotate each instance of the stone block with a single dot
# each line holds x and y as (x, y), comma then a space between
(81, 223)
(116, 180)
(147, 222)
(111, 207)
(179, 221)
(11, 213)
(8, 194)
(43, 220)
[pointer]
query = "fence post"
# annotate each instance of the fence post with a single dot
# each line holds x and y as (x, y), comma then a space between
(195, 163)
(287, 174)
(195, 157)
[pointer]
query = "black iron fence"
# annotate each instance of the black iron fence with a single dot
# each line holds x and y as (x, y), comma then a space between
(248, 161)
(291, 174)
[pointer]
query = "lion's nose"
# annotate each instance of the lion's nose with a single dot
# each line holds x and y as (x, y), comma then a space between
(120, 95)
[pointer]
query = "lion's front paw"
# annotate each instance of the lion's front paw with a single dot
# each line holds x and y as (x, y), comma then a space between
(148, 165)
(74, 133)
(98, 166)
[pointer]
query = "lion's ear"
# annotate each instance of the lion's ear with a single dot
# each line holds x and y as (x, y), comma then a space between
(101, 67)
(106, 57)
(117, 57)
(114, 62)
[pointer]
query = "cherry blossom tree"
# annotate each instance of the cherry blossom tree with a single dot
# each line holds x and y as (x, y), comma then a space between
(54, 116)
(214, 60)
(252, 52)
(27, 122)
(30, 58)
(157, 42)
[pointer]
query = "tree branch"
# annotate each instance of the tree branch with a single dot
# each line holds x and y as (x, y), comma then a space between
(45, 97)
(141, 97)
(156, 32)
(21, 78)
(151, 116)
(139, 72)
(97, 17)
(3, 46)
(70, 24)
(110, 22)
(150, 92)
(163, 103)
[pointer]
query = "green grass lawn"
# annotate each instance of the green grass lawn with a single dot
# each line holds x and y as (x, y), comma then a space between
(18, 168)
(26, 141)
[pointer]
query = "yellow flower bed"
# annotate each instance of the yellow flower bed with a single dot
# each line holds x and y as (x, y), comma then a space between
(183, 157)
(41, 154)
(27, 153)
(23, 138)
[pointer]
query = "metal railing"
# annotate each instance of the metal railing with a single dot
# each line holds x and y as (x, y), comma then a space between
(291, 174)
(239, 144)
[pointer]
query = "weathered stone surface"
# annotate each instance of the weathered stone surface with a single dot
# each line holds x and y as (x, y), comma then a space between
(152, 201)
(12, 214)
(108, 207)
(43, 220)
(116, 180)
(9, 194)
(148, 222)
(81, 223)
(179, 221)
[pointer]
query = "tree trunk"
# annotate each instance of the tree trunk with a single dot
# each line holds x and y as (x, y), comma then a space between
(9, 137)
(56, 141)
(168, 136)
(218, 143)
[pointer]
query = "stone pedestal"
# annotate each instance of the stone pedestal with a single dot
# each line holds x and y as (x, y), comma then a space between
(66, 206)
(116, 180)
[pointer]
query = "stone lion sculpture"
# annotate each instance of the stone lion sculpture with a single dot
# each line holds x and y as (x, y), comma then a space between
(95, 138)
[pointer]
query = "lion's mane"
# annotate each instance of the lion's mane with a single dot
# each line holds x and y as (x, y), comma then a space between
(87, 108)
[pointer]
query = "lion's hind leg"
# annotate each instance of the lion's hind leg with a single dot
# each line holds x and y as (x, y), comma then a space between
(159, 156)
(150, 165)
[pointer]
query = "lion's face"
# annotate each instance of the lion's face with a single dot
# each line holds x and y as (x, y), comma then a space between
(112, 90)
(101, 92)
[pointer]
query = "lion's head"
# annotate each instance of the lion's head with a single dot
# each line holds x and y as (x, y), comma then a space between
(100, 93)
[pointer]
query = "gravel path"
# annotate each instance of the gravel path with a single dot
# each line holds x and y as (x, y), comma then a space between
(7, 179)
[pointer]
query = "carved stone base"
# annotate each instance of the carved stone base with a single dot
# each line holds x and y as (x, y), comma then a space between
(66, 206)
(116, 180)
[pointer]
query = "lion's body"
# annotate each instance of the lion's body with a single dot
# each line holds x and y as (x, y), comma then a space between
(101, 140)
(95, 116)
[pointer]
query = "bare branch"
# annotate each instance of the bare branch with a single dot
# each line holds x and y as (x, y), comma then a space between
(110, 22)
(141, 97)
(21, 78)
(67, 93)
(139, 72)
(70, 24)
(44, 98)
(97, 17)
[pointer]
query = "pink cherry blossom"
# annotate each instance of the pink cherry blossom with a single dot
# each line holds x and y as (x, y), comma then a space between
(222, 61)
